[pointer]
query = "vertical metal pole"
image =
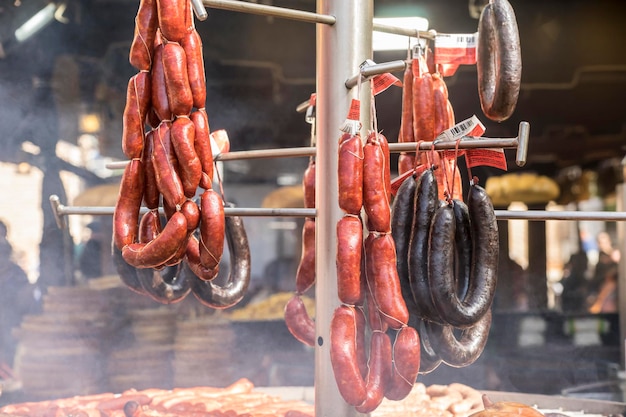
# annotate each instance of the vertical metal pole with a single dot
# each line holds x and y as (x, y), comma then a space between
(621, 275)
(341, 48)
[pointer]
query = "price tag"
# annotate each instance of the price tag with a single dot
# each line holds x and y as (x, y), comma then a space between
(452, 50)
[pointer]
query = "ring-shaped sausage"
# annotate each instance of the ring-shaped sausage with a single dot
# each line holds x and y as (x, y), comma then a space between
(169, 285)
(215, 296)
(498, 60)
(127, 272)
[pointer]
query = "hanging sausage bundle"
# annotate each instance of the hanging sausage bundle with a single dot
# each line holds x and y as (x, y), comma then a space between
(168, 164)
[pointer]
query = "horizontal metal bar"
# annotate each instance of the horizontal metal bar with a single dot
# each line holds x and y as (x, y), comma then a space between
(199, 10)
(264, 10)
(531, 215)
(468, 142)
(540, 215)
(370, 70)
(395, 30)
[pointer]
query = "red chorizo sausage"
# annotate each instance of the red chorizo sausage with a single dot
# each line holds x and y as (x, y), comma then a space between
(202, 144)
(192, 213)
(298, 321)
(308, 184)
(440, 101)
(423, 106)
(149, 226)
(165, 167)
(406, 122)
(151, 193)
(305, 274)
(350, 173)
(142, 46)
(382, 277)
(158, 251)
(182, 135)
(160, 102)
(376, 190)
(406, 364)
(126, 212)
(406, 162)
(193, 261)
(173, 18)
(133, 119)
(177, 85)
(379, 365)
(349, 249)
(212, 229)
(344, 357)
(192, 44)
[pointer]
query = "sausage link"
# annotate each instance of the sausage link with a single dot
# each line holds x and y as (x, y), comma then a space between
(212, 229)
(344, 357)
(167, 285)
(406, 162)
(440, 101)
(126, 211)
(374, 318)
(406, 364)
(160, 102)
(379, 365)
(177, 85)
(298, 321)
(429, 359)
(182, 136)
(349, 243)
(463, 245)
(350, 173)
(426, 203)
(423, 102)
(308, 184)
(498, 60)
(192, 213)
(158, 251)
(402, 211)
(376, 191)
(149, 226)
(202, 144)
(192, 44)
(127, 273)
(166, 167)
(464, 350)
(141, 48)
(193, 261)
(151, 195)
(236, 285)
(382, 277)
(134, 116)
(173, 18)
(305, 274)
(406, 122)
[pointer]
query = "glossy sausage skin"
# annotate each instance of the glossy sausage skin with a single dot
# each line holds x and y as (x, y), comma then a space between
(182, 136)
(166, 167)
(406, 121)
(343, 355)
(151, 195)
(376, 189)
(429, 359)
(127, 273)
(177, 85)
(149, 226)
(161, 249)
(464, 350)
(406, 364)
(233, 291)
(382, 276)
(298, 321)
(498, 60)
(440, 102)
(349, 242)
(160, 103)
(305, 274)
(126, 211)
(202, 145)
(191, 211)
(173, 18)
(165, 286)
(379, 365)
(140, 55)
(192, 44)
(402, 211)
(308, 185)
(426, 203)
(423, 102)
(406, 162)
(193, 261)
(212, 229)
(133, 120)
(463, 246)
(350, 173)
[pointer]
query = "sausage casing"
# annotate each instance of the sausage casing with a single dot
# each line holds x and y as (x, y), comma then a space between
(182, 135)
(141, 48)
(202, 145)
(133, 119)
(298, 321)
(379, 372)
(406, 364)
(177, 85)
(350, 173)
(376, 189)
(173, 17)
(305, 274)
(166, 166)
(212, 229)
(192, 44)
(126, 211)
(349, 247)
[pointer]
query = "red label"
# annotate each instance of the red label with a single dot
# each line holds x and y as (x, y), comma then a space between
(488, 157)
(452, 50)
(355, 110)
(383, 81)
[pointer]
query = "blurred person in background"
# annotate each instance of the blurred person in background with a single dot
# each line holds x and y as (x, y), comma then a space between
(608, 259)
(90, 255)
(17, 297)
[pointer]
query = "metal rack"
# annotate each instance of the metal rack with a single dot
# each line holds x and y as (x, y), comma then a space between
(340, 23)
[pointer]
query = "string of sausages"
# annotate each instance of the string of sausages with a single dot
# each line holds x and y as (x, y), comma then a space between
(169, 161)
(447, 249)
